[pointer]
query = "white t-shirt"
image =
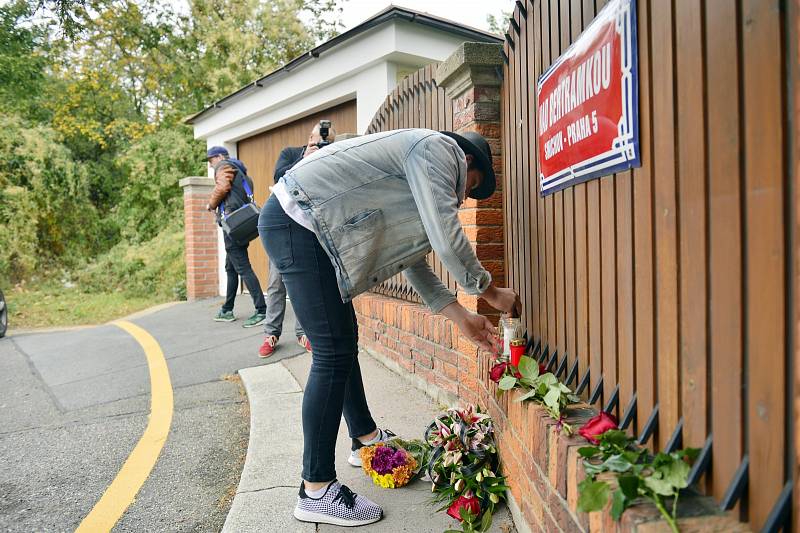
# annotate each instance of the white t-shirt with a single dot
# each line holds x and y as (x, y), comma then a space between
(290, 206)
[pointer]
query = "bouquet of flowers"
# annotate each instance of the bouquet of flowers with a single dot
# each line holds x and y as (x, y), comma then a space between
(393, 464)
(462, 465)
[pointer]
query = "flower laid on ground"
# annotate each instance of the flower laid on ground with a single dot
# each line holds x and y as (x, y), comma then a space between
(390, 464)
(597, 426)
(541, 386)
(638, 474)
(462, 466)
(468, 503)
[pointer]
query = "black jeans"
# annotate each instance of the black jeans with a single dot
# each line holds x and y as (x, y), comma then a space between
(334, 384)
(237, 263)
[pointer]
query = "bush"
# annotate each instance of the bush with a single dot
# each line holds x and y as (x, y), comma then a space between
(46, 216)
(151, 268)
(151, 197)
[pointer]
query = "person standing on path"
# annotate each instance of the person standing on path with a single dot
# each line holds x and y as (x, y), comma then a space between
(229, 191)
(340, 222)
(276, 290)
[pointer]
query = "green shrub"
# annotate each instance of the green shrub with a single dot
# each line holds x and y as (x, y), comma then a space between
(152, 268)
(46, 216)
(151, 197)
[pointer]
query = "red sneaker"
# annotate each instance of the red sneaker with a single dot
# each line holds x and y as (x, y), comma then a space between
(302, 340)
(268, 347)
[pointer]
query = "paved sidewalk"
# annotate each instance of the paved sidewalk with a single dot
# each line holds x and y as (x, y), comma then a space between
(267, 491)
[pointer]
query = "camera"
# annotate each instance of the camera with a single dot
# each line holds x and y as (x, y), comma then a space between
(324, 131)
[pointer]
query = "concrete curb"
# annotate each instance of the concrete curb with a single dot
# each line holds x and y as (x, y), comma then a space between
(264, 488)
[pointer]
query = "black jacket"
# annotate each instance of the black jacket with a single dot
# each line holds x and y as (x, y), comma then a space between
(288, 158)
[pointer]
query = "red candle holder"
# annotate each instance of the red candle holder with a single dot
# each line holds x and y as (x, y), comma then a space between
(517, 347)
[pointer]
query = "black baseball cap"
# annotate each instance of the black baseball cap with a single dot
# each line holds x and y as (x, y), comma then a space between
(475, 144)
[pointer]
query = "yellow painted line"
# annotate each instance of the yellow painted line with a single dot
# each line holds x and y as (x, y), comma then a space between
(122, 491)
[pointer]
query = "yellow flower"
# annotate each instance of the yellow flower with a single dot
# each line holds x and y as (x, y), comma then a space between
(386, 480)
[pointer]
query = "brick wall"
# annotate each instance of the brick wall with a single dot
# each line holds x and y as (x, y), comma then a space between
(202, 278)
(541, 463)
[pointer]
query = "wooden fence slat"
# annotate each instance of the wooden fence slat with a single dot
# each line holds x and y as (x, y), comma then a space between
(527, 83)
(626, 366)
(517, 164)
(510, 264)
(725, 246)
(643, 263)
(541, 28)
(608, 283)
(692, 211)
(531, 191)
(666, 230)
(765, 277)
(593, 257)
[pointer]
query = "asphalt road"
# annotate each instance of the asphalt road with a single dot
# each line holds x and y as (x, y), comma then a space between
(74, 404)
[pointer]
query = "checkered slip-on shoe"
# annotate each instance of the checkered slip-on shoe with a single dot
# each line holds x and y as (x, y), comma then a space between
(355, 448)
(339, 506)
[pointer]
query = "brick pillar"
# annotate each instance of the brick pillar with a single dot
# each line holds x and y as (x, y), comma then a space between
(471, 78)
(202, 279)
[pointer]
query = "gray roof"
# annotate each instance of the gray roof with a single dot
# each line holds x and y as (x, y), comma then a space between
(389, 14)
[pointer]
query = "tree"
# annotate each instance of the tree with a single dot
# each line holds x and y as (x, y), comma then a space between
(499, 23)
(23, 60)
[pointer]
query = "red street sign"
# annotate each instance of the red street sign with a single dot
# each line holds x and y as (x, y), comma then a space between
(587, 120)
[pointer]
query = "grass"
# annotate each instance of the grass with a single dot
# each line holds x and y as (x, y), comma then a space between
(128, 278)
(54, 305)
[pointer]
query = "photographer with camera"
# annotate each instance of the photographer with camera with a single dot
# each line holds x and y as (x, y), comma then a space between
(322, 135)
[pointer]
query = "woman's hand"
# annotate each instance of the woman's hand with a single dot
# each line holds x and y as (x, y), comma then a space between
(503, 299)
(477, 328)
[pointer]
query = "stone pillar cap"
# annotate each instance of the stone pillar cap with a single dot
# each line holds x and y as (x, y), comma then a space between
(196, 181)
(470, 65)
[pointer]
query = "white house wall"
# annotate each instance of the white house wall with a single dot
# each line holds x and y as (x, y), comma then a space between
(365, 67)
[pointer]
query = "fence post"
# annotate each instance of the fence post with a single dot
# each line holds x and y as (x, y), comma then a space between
(471, 77)
(202, 279)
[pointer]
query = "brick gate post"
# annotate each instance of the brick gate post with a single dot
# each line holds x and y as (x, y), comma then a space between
(202, 277)
(471, 77)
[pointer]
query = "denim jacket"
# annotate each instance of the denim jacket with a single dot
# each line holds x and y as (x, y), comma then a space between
(381, 202)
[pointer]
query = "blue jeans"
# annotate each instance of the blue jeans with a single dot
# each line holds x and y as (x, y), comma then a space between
(237, 263)
(334, 384)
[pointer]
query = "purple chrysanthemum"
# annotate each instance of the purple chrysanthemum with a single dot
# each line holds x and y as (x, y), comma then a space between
(386, 459)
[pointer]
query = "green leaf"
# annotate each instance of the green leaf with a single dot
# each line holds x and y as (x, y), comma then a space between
(676, 473)
(616, 438)
(689, 453)
(548, 379)
(618, 504)
(592, 495)
(617, 463)
(486, 522)
(552, 397)
(588, 451)
(528, 367)
(507, 383)
(629, 485)
(658, 485)
(527, 396)
(592, 469)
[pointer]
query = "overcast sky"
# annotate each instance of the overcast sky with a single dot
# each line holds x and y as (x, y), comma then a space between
(470, 12)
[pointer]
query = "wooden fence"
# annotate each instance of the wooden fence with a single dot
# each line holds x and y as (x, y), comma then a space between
(664, 293)
(417, 102)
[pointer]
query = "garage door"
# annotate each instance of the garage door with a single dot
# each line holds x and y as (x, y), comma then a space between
(260, 153)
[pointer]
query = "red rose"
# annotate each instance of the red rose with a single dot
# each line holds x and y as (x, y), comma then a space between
(597, 426)
(497, 372)
(542, 369)
(471, 504)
